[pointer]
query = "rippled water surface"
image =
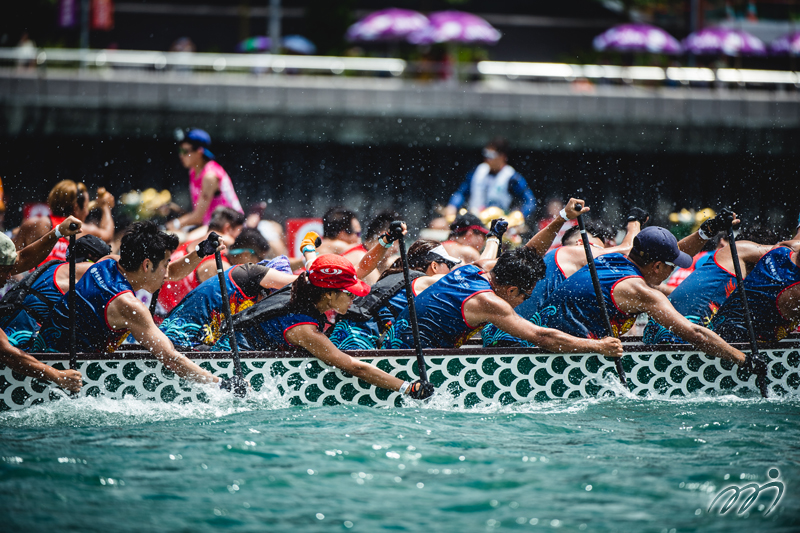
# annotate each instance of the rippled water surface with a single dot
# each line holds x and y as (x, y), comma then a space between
(616, 464)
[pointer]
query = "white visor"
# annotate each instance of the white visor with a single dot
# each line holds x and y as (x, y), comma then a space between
(441, 252)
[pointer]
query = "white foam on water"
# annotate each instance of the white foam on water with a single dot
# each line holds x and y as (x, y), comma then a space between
(104, 411)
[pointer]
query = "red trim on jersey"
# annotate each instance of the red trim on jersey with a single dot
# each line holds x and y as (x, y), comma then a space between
(714, 257)
(230, 277)
(294, 326)
(356, 247)
(779, 297)
(413, 281)
(611, 293)
(555, 259)
(105, 312)
(55, 275)
(464, 318)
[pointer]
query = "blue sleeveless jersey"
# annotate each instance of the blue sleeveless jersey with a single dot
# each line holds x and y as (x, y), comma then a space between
(22, 326)
(773, 274)
(271, 334)
(199, 317)
(440, 312)
(554, 276)
(572, 308)
(697, 298)
(98, 287)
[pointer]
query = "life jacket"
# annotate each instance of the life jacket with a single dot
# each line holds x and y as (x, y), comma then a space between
(14, 300)
(273, 306)
(365, 308)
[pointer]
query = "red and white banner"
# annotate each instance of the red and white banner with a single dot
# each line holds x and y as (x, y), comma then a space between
(296, 229)
(35, 209)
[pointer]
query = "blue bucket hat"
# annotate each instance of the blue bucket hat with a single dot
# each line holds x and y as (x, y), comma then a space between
(658, 244)
(203, 138)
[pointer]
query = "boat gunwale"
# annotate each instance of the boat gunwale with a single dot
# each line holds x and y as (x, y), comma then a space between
(143, 354)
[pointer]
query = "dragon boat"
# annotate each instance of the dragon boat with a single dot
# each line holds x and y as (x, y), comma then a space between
(472, 375)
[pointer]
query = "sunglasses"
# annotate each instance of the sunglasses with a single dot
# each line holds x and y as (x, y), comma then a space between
(525, 295)
(489, 154)
(350, 231)
(673, 265)
(349, 294)
(184, 151)
(442, 261)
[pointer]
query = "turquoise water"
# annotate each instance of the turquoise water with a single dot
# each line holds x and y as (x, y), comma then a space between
(611, 464)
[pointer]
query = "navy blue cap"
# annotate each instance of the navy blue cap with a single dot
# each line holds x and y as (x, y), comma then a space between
(202, 137)
(658, 244)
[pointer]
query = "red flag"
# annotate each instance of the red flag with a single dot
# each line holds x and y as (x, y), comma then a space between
(102, 15)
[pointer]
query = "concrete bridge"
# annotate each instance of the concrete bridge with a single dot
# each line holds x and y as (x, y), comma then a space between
(144, 104)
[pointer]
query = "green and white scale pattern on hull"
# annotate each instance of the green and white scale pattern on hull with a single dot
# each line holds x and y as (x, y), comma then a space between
(470, 378)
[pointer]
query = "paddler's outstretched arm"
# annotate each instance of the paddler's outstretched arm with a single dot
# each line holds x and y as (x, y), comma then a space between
(308, 336)
(127, 312)
(488, 307)
(24, 363)
(541, 241)
(634, 296)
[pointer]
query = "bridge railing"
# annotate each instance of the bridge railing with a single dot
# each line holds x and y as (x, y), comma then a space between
(382, 67)
(162, 61)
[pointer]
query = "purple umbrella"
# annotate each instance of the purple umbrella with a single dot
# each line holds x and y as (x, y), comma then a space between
(637, 38)
(387, 25)
(718, 40)
(455, 26)
(788, 44)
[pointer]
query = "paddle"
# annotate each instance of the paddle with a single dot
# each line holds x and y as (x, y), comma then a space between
(396, 229)
(73, 356)
(238, 384)
(755, 361)
(598, 292)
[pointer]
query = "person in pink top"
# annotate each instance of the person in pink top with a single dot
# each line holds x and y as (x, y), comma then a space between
(209, 185)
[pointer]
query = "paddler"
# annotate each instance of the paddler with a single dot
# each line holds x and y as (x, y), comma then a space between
(628, 287)
(295, 319)
(107, 309)
(469, 297)
(773, 297)
(12, 263)
(560, 264)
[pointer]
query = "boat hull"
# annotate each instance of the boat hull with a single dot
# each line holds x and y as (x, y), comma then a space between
(472, 376)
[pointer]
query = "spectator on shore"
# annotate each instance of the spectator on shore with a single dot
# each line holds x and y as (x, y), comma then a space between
(493, 183)
(209, 185)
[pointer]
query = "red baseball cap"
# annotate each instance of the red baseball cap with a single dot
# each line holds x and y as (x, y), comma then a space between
(335, 272)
